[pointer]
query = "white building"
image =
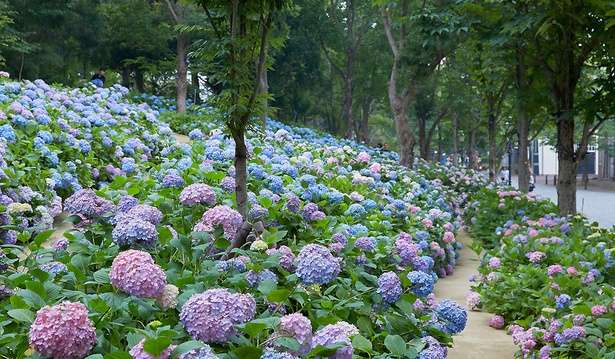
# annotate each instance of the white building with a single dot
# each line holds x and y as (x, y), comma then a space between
(544, 159)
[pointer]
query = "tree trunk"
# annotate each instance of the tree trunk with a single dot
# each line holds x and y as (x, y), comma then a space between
(471, 144)
(126, 76)
(263, 88)
(405, 137)
(523, 128)
(241, 155)
(348, 97)
(139, 82)
(568, 165)
(455, 157)
(423, 145)
(197, 87)
(492, 149)
(182, 73)
(366, 109)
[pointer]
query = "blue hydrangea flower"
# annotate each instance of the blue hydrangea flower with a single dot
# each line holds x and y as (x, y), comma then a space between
(356, 210)
(454, 315)
(6, 132)
(128, 165)
(563, 301)
(422, 283)
(255, 278)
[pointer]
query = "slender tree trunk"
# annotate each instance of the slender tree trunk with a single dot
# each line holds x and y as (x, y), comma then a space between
(263, 89)
(197, 87)
(126, 76)
(139, 82)
(492, 145)
(182, 73)
(568, 165)
(422, 132)
(348, 83)
(241, 155)
(366, 109)
(471, 145)
(455, 156)
(523, 125)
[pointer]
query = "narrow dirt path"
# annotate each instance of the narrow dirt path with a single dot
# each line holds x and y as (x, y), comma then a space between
(478, 340)
(181, 138)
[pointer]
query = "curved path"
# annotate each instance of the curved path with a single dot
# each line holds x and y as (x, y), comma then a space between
(478, 340)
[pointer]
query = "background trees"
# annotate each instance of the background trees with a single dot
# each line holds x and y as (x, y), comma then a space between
(455, 79)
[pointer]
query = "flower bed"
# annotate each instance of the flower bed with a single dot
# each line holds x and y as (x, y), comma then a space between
(550, 278)
(351, 247)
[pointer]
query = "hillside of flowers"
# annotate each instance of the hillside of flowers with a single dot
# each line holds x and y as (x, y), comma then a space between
(346, 250)
(549, 279)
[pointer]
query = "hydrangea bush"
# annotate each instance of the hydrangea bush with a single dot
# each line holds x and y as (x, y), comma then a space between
(549, 279)
(351, 248)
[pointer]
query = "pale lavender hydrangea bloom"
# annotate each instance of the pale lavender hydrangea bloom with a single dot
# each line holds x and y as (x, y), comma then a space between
(316, 265)
(137, 352)
(210, 316)
(63, 331)
(200, 353)
(135, 273)
(472, 299)
(198, 193)
(365, 243)
(287, 258)
(433, 349)
(126, 203)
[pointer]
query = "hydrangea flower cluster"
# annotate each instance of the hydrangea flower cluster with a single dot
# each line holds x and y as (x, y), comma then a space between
(200, 353)
(422, 283)
(316, 265)
(224, 216)
(454, 315)
(86, 203)
(389, 287)
(432, 349)
(198, 193)
(287, 259)
(168, 298)
(297, 326)
(255, 278)
(336, 333)
(135, 273)
(63, 331)
(210, 316)
(134, 232)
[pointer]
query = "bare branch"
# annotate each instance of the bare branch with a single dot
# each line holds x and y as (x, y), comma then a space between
(387, 22)
(175, 17)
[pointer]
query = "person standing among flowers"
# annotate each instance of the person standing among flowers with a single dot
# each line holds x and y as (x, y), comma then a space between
(504, 175)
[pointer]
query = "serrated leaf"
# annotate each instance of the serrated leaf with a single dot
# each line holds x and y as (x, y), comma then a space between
(395, 344)
(248, 352)
(183, 348)
(102, 276)
(361, 343)
(278, 296)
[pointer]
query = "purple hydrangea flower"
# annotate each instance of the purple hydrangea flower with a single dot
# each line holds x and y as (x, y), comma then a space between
(135, 232)
(135, 273)
(88, 204)
(316, 265)
(126, 203)
(200, 353)
(497, 322)
(293, 204)
(255, 278)
(336, 333)
(365, 243)
(576, 332)
(146, 212)
(210, 316)
(286, 260)
(389, 287)
(228, 184)
(172, 180)
(63, 331)
(432, 349)
(224, 216)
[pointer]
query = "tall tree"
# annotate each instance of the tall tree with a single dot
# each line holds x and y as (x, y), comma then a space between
(178, 12)
(238, 44)
(420, 35)
(567, 37)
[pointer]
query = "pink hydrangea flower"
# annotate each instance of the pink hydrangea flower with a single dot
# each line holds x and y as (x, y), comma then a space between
(224, 216)
(494, 262)
(572, 271)
(427, 223)
(135, 273)
(363, 157)
(497, 322)
(472, 299)
(448, 237)
(63, 331)
(297, 326)
(598, 310)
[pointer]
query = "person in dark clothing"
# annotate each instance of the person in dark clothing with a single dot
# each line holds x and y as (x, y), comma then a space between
(99, 78)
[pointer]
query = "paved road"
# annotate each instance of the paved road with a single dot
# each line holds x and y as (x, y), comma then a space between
(597, 206)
